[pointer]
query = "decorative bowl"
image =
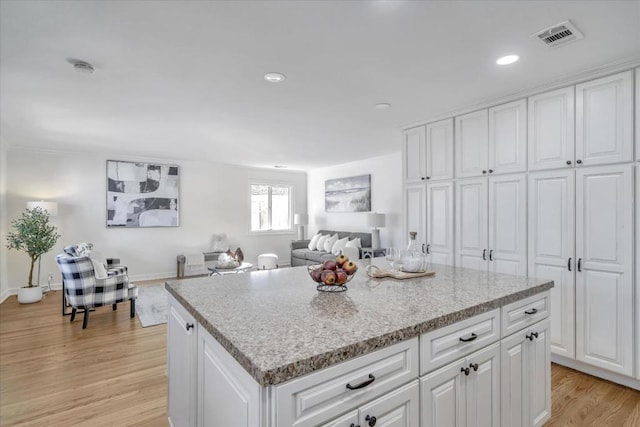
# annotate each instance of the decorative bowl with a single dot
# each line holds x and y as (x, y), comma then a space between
(327, 279)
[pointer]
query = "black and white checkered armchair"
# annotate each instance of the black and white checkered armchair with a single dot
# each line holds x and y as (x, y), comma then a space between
(88, 284)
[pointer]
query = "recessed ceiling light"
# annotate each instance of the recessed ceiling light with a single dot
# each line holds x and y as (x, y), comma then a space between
(274, 77)
(383, 106)
(279, 166)
(506, 60)
(82, 66)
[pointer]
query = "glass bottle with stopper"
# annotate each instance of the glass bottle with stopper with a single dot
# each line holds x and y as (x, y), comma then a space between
(413, 259)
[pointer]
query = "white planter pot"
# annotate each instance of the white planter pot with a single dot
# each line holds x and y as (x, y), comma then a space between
(29, 295)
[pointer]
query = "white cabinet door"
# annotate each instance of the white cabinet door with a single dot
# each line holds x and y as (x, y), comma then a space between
(440, 223)
(508, 224)
(637, 280)
(399, 408)
(552, 250)
(347, 420)
(413, 150)
(604, 281)
(483, 388)
(604, 120)
(471, 223)
(444, 396)
(551, 142)
(539, 369)
(439, 156)
(508, 137)
(472, 144)
(638, 118)
(227, 395)
(514, 380)
(181, 365)
(415, 212)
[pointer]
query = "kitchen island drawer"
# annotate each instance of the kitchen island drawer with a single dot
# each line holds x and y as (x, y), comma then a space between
(521, 314)
(444, 345)
(316, 398)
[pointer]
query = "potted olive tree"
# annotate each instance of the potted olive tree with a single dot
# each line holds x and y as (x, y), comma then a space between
(32, 234)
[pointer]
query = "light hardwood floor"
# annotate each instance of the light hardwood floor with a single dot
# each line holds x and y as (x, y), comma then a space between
(113, 373)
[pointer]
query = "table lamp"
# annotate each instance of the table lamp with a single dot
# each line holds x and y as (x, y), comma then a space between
(300, 220)
(375, 220)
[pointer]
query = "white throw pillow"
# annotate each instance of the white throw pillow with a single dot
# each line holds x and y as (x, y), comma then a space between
(98, 269)
(355, 243)
(313, 244)
(321, 240)
(339, 245)
(328, 244)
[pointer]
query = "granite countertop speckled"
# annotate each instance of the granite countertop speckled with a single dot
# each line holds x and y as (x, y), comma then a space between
(278, 326)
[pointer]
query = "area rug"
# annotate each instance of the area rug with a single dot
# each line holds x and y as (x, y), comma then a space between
(152, 305)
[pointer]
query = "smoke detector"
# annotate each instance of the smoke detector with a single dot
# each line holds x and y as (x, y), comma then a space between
(82, 66)
(558, 35)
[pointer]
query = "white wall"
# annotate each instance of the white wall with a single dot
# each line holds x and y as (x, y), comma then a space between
(214, 198)
(386, 198)
(3, 220)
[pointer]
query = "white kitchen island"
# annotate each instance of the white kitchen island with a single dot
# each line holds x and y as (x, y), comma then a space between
(265, 349)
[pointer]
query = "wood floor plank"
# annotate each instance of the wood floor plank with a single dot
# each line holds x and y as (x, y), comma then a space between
(54, 373)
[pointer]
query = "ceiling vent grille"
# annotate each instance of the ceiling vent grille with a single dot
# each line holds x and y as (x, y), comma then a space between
(559, 34)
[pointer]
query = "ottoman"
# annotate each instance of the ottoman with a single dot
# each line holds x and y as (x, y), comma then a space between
(267, 261)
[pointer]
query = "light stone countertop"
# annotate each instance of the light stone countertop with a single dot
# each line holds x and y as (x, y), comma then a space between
(278, 326)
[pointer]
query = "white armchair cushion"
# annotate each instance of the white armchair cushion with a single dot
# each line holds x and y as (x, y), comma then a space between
(98, 268)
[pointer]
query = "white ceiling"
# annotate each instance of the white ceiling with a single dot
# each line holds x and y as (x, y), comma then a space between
(183, 79)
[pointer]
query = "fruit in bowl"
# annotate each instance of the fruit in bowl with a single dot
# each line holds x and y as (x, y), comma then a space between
(333, 273)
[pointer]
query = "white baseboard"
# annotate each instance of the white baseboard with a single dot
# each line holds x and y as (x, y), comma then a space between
(14, 291)
(596, 372)
(151, 276)
(4, 295)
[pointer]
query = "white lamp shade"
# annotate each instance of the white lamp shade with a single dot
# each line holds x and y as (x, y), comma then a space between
(300, 219)
(50, 207)
(375, 220)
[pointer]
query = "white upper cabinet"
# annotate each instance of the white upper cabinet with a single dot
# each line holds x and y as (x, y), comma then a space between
(413, 150)
(604, 281)
(440, 223)
(472, 144)
(439, 155)
(604, 120)
(552, 249)
(638, 127)
(508, 224)
(551, 130)
(508, 138)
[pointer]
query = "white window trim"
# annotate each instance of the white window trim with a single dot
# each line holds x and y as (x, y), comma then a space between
(291, 229)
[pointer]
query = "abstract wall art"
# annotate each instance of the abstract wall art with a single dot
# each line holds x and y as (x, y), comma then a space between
(142, 195)
(352, 194)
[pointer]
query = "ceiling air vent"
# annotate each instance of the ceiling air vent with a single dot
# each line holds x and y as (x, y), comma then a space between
(559, 34)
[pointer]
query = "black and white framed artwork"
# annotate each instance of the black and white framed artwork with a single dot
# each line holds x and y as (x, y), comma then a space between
(142, 195)
(352, 194)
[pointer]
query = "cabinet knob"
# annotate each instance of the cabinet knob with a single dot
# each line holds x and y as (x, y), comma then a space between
(491, 255)
(484, 171)
(371, 420)
(428, 177)
(569, 162)
(474, 366)
(490, 170)
(465, 370)
(189, 326)
(484, 254)
(579, 264)
(428, 249)
(579, 162)
(569, 264)
(422, 178)
(353, 425)
(532, 335)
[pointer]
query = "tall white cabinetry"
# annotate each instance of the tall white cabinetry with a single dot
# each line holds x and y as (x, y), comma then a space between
(413, 149)
(472, 144)
(491, 228)
(551, 225)
(551, 130)
(604, 269)
(439, 247)
(415, 198)
(439, 151)
(604, 120)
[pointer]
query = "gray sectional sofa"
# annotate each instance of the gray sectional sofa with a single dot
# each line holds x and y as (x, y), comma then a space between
(301, 255)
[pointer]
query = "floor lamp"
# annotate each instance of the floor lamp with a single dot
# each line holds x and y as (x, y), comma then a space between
(300, 220)
(52, 209)
(375, 220)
